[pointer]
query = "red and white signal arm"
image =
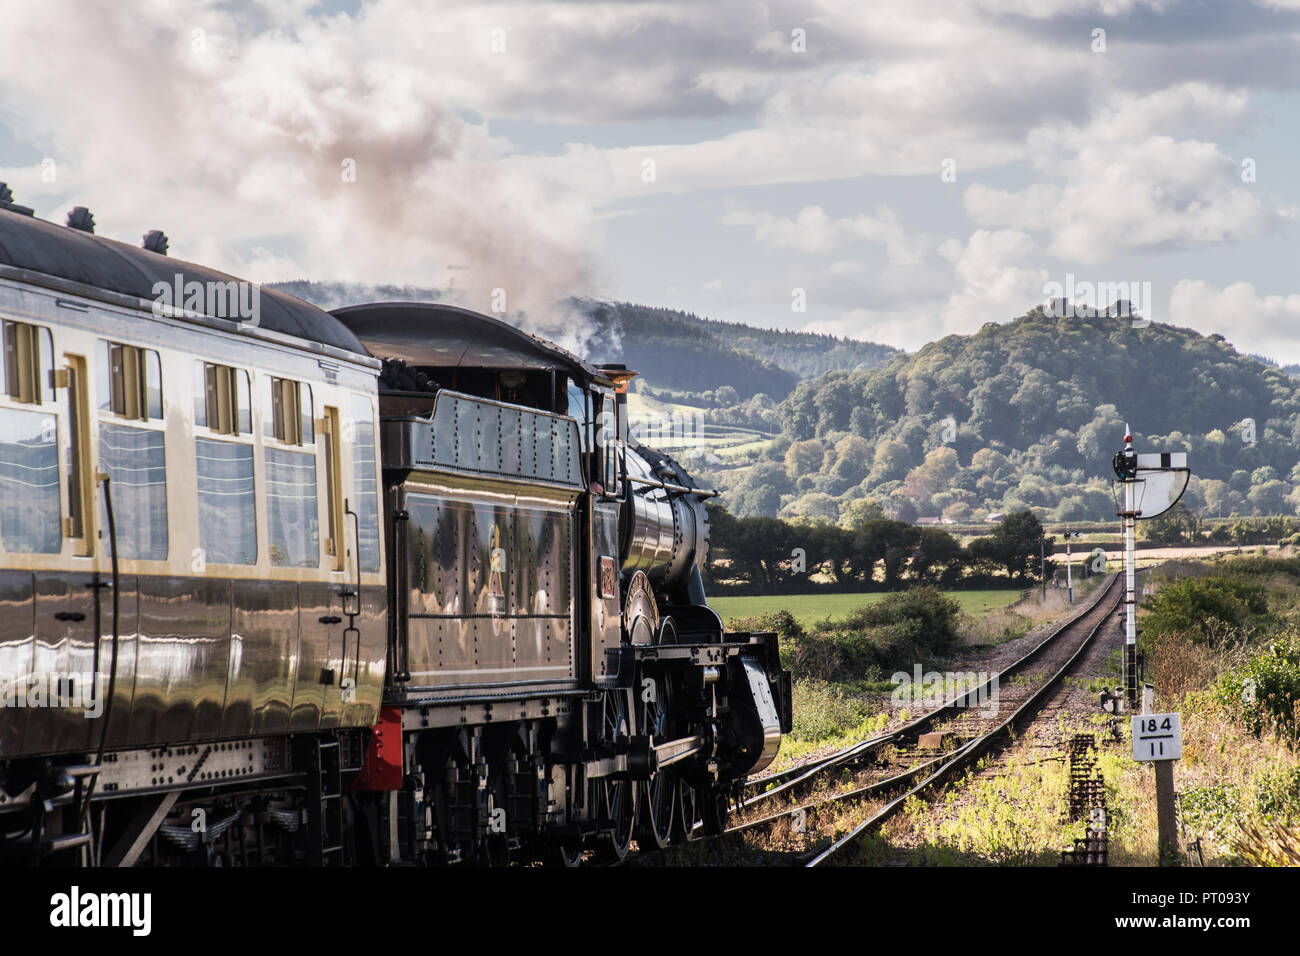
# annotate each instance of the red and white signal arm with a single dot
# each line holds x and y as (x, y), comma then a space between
(1161, 480)
(1157, 737)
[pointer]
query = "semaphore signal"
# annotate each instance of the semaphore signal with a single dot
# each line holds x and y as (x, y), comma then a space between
(1152, 484)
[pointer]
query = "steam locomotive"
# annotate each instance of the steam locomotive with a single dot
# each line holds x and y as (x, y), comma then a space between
(388, 585)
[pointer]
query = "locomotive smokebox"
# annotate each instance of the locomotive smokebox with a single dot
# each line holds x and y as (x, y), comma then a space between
(666, 533)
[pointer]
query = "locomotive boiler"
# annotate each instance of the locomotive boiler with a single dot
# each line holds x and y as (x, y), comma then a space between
(387, 585)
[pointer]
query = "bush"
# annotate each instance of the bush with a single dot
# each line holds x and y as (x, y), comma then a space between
(902, 629)
(1207, 610)
(1265, 693)
(822, 710)
(1277, 795)
(1264, 565)
(922, 617)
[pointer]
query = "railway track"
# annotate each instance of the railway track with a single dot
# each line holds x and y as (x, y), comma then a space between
(891, 767)
(1050, 662)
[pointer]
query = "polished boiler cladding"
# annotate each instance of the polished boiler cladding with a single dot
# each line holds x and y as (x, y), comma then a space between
(388, 585)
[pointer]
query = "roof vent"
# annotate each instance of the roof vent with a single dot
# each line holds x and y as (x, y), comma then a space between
(81, 220)
(7, 202)
(155, 240)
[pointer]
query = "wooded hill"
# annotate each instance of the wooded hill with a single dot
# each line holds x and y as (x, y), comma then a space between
(683, 352)
(1027, 415)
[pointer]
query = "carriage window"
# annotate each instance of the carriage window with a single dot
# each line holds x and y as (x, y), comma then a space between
(135, 460)
(243, 403)
(29, 482)
(291, 413)
(292, 528)
(153, 384)
(200, 395)
(227, 502)
(579, 409)
(28, 362)
(364, 485)
(226, 399)
(129, 381)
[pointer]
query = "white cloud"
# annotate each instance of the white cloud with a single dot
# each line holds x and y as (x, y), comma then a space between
(988, 283)
(235, 149)
(1120, 197)
(993, 284)
(813, 231)
(1263, 324)
(1116, 184)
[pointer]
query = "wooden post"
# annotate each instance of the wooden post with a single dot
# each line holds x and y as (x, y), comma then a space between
(1167, 826)
(1158, 739)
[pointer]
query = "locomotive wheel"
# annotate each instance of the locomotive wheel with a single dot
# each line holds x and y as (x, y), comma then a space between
(658, 794)
(568, 854)
(715, 809)
(658, 800)
(686, 815)
(619, 796)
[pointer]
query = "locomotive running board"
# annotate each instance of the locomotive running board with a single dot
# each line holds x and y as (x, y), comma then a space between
(176, 768)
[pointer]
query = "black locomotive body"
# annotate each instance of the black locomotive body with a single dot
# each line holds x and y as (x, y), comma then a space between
(384, 586)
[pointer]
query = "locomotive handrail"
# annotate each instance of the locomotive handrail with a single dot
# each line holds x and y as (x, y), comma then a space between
(679, 489)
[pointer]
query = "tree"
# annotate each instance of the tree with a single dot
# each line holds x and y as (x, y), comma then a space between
(760, 551)
(857, 452)
(1176, 526)
(891, 462)
(934, 474)
(1018, 539)
(884, 541)
(1103, 436)
(860, 510)
(814, 504)
(1041, 406)
(1215, 493)
(1269, 498)
(830, 547)
(936, 549)
(804, 458)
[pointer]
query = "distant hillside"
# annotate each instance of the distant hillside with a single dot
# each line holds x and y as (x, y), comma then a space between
(680, 350)
(807, 354)
(1028, 414)
(671, 349)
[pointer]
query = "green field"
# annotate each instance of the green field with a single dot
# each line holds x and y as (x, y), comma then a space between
(810, 608)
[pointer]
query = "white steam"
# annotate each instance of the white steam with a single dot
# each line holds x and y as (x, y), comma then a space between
(283, 146)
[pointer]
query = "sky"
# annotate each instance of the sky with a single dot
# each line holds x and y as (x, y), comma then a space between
(890, 171)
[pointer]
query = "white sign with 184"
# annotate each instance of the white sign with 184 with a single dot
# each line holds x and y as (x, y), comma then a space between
(1157, 737)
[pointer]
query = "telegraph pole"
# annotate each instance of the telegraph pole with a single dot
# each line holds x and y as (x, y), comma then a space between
(1069, 569)
(1042, 564)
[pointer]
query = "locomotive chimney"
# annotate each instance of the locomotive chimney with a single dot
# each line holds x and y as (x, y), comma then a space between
(621, 376)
